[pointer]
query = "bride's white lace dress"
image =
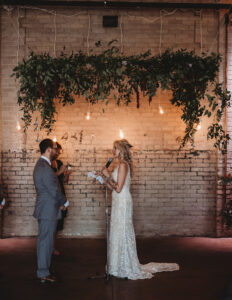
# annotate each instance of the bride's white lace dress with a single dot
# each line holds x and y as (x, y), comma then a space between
(123, 259)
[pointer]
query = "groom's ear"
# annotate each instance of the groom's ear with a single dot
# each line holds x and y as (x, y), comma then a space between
(49, 149)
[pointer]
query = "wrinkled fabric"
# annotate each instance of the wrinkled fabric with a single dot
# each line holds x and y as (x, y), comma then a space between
(123, 259)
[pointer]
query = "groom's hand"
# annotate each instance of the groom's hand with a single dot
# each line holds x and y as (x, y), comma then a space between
(63, 208)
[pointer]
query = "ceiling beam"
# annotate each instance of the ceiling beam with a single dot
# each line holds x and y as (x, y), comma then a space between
(116, 4)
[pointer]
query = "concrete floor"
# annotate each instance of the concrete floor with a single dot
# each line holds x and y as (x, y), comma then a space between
(206, 270)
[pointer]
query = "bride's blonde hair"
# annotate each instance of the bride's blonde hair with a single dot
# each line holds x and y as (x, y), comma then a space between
(125, 154)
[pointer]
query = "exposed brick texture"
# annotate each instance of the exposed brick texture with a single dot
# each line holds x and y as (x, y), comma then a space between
(173, 192)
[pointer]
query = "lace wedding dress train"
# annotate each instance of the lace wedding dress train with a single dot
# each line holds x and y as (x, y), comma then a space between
(123, 259)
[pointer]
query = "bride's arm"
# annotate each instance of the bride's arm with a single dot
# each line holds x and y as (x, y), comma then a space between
(122, 173)
(110, 184)
(110, 181)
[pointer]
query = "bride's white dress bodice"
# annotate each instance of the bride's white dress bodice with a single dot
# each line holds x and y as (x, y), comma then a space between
(123, 259)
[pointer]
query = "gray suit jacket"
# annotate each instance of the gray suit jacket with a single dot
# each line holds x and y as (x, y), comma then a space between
(49, 196)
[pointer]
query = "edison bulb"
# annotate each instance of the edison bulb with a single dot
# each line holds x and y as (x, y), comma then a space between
(121, 134)
(161, 111)
(199, 126)
(18, 127)
(38, 139)
(54, 139)
(88, 115)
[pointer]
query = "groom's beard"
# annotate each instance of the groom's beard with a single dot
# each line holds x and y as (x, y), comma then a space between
(52, 156)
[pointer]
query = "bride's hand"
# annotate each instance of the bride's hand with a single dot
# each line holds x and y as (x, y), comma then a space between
(98, 173)
(106, 172)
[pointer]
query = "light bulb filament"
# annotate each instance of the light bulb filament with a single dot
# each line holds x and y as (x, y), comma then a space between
(18, 127)
(161, 111)
(88, 115)
(121, 134)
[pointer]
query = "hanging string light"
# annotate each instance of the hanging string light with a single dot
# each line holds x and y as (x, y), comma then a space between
(54, 139)
(161, 111)
(54, 47)
(199, 126)
(88, 33)
(201, 31)
(36, 124)
(121, 134)
(18, 127)
(161, 32)
(88, 115)
(121, 33)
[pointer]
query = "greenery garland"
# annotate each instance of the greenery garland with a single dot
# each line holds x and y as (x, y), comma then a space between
(190, 77)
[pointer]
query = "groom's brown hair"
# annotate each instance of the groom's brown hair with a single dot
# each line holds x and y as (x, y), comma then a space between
(45, 144)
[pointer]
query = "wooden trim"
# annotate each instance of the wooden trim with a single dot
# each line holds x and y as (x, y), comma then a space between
(116, 4)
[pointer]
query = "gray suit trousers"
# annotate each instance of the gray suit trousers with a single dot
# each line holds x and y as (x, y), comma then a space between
(45, 244)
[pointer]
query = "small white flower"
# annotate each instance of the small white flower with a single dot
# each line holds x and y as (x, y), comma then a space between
(190, 65)
(124, 62)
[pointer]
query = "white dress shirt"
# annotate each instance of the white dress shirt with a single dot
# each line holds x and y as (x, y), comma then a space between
(47, 159)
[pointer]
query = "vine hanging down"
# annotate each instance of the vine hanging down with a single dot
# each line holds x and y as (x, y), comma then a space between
(191, 79)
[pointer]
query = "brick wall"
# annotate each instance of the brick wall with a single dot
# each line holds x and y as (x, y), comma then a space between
(174, 192)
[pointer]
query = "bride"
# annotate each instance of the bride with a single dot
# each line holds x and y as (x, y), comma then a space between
(123, 260)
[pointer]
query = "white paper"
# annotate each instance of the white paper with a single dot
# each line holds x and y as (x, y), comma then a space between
(66, 204)
(97, 177)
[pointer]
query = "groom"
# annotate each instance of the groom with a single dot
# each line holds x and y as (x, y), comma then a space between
(49, 203)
